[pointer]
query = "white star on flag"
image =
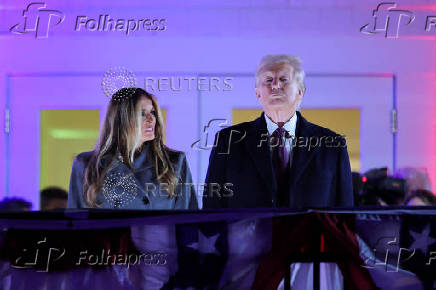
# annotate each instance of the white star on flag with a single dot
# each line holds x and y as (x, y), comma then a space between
(205, 245)
(422, 240)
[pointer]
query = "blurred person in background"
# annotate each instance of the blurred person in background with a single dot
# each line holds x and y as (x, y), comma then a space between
(420, 197)
(53, 198)
(15, 204)
(377, 187)
(416, 178)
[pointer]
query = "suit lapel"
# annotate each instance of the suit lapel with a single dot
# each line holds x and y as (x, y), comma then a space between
(258, 147)
(302, 155)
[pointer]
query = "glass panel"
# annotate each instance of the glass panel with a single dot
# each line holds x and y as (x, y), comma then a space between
(64, 134)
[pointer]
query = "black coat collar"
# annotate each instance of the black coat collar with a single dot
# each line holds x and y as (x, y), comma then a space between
(259, 150)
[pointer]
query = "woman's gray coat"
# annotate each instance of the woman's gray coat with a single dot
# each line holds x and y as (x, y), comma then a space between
(124, 189)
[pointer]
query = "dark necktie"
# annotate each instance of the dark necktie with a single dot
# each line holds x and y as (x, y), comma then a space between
(280, 155)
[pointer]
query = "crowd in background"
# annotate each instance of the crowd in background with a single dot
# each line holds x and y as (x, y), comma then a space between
(51, 198)
(407, 186)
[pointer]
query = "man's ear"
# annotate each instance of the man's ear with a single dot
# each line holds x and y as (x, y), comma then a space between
(300, 93)
(257, 92)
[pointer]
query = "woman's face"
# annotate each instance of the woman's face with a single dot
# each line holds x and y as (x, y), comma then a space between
(148, 119)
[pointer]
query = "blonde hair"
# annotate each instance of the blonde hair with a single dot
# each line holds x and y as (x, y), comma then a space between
(293, 61)
(121, 134)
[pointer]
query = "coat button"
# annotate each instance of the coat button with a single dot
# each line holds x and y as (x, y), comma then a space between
(145, 200)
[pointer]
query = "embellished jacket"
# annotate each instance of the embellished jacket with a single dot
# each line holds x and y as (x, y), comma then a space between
(123, 188)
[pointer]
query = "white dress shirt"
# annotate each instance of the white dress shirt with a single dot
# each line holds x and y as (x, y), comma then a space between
(289, 126)
(302, 273)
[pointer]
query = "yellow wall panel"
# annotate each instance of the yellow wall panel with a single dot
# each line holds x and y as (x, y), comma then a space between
(342, 121)
(64, 134)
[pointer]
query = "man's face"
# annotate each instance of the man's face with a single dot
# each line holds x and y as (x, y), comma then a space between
(277, 88)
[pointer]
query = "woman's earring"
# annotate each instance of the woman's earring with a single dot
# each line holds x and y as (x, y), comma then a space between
(120, 158)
